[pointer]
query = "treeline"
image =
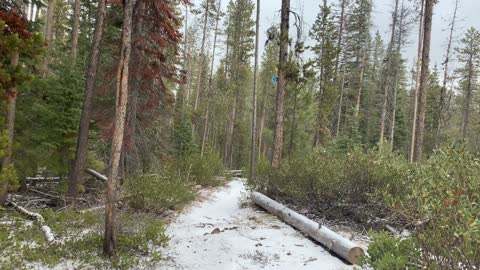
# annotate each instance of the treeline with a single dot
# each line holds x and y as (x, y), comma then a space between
(357, 87)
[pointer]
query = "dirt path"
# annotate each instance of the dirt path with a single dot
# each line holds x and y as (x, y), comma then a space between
(218, 233)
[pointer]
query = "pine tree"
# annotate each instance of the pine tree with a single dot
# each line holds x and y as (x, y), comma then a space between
(469, 56)
(323, 32)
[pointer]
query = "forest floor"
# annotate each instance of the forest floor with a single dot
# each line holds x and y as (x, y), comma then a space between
(223, 230)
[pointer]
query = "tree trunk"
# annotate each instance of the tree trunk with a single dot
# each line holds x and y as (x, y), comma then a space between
(49, 21)
(422, 94)
(417, 82)
(467, 100)
(340, 103)
(82, 139)
(359, 93)
(443, 92)
(117, 140)
(340, 35)
(210, 78)
(333, 241)
(387, 82)
(76, 25)
(261, 123)
(254, 95)
(202, 58)
(394, 112)
(283, 58)
(11, 104)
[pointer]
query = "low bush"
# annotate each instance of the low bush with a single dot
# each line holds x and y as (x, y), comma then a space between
(439, 199)
(203, 170)
(158, 192)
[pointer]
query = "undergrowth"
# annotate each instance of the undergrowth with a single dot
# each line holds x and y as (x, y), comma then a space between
(438, 199)
(80, 236)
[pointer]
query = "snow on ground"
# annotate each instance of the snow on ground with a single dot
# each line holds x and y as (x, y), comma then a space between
(217, 233)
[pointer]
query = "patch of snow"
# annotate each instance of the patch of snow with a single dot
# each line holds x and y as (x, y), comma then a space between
(220, 234)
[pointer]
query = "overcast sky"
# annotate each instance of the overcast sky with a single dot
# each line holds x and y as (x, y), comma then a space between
(468, 15)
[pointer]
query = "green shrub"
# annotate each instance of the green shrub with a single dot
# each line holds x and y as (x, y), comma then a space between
(158, 193)
(390, 253)
(204, 169)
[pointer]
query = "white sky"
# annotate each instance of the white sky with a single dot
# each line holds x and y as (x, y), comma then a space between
(468, 15)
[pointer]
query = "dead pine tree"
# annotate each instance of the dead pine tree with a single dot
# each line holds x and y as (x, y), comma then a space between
(82, 139)
(282, 66)
(119, 123)
(422, 93)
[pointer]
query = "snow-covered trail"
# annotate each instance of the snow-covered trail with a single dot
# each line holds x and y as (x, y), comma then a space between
(217, 233)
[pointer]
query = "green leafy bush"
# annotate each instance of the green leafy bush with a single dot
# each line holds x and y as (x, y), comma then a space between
(390, 253)
(205, 169)
(158, 192)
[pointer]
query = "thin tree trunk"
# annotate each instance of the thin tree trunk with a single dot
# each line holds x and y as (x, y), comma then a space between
(422, 94)
(387, 82)
(467, 99)
(417, 82)
(210, 78)
(117, 140)
(76, 25)
(283, 58)
(340, 35)
(254, 95)
(342, 88)
(359, 93)
(202, 58)
(91, 76)
(11, 104)
(49, 21)
(392, 126)
(443, 93)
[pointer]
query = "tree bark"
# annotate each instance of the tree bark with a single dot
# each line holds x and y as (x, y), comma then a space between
(422, 94)
(76, 25)
(387, 82)
(49, 21)
(82, 140)
(11, 105)
(468, 98)
(283, 58)
(340, 103)
(417, 82)
(254, 95)
(359, 93)
(117, 140)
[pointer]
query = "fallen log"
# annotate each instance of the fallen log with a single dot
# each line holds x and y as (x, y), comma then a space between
(36, 217)
(331, 240)
(96, 174)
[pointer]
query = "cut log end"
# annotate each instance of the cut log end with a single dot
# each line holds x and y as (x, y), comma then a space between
(355, 254)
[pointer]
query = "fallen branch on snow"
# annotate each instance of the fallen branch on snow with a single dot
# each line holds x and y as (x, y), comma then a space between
(49, 236)
(333, 241)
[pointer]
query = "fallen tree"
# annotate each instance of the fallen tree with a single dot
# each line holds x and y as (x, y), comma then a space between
(36, 217)
(333, 241)
(96, 174)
